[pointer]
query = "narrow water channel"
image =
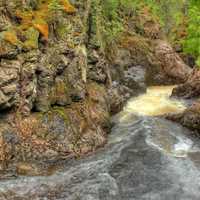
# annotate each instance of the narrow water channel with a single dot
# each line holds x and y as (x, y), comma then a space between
(146, 158)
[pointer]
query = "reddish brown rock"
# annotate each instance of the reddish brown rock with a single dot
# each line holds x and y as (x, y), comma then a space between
(190, 118)
(172, 67)
(58, 133)
(189, 89)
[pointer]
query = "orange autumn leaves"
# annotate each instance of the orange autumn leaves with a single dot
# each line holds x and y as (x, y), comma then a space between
(11, 37)
(68, 7)
(43, 28)
(38, 18)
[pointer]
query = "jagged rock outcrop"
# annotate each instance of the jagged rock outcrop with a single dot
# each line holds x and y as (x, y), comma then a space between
(56, 109)
(170, 68)
(9, 83)
(190, 118)
(58, 133)
(189, 89)
(130, 62)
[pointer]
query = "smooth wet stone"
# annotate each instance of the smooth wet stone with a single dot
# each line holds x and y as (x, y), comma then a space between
(128, 168)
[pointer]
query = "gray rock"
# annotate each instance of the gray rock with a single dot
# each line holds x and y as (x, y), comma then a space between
(9, 83)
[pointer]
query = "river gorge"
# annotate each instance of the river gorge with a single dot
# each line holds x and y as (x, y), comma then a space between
(99, 100)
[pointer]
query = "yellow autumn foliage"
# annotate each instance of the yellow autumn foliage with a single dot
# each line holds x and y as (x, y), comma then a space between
(68, 7)
(11, 37)
(37, 19)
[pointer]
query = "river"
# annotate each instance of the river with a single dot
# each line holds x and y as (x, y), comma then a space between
(146, 158)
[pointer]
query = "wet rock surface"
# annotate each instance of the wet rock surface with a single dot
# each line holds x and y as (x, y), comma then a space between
(190, 92)
(189, 118)
(133, 165)
(189, 89)
(144, 158)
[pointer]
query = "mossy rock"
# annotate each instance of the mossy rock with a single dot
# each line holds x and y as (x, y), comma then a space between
(63, 29)
(7, 50)
(60, 94)
(53, 124)
(11, 37)
(42, 26)
(32, 36)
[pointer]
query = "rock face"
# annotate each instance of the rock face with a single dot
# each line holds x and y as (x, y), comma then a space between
(59, 132)
(9, 83)
(171, 68)
(51, 107)
(57, 89)
(129, 65)
(189, 89)
(190, 118)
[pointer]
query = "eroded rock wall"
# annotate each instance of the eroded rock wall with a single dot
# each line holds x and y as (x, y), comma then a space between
(50, 108)
(190, 88)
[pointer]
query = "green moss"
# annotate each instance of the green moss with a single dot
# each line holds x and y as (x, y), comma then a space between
(61, 88)
(63, 30)
(61, 111)
(60, 93)
(11, 36)
(32, 36)
(136, 43)
(106, 24)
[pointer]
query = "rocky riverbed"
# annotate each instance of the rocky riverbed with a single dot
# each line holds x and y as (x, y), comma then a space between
(146, 158)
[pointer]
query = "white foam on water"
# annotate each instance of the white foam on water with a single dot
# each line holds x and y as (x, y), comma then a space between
(155, 102)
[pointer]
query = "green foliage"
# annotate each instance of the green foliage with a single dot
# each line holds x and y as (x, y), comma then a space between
(192, 42)
(108, 22)
(113, 24)
(54, 6)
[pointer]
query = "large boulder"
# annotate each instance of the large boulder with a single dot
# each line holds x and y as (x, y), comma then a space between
(190, 118)
(170, 68)
(129, 65)
(189, 89)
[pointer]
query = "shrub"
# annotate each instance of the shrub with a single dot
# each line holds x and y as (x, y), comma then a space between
(192, 41)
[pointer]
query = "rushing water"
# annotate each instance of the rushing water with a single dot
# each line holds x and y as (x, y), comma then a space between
(146, 158)
(155, 102)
